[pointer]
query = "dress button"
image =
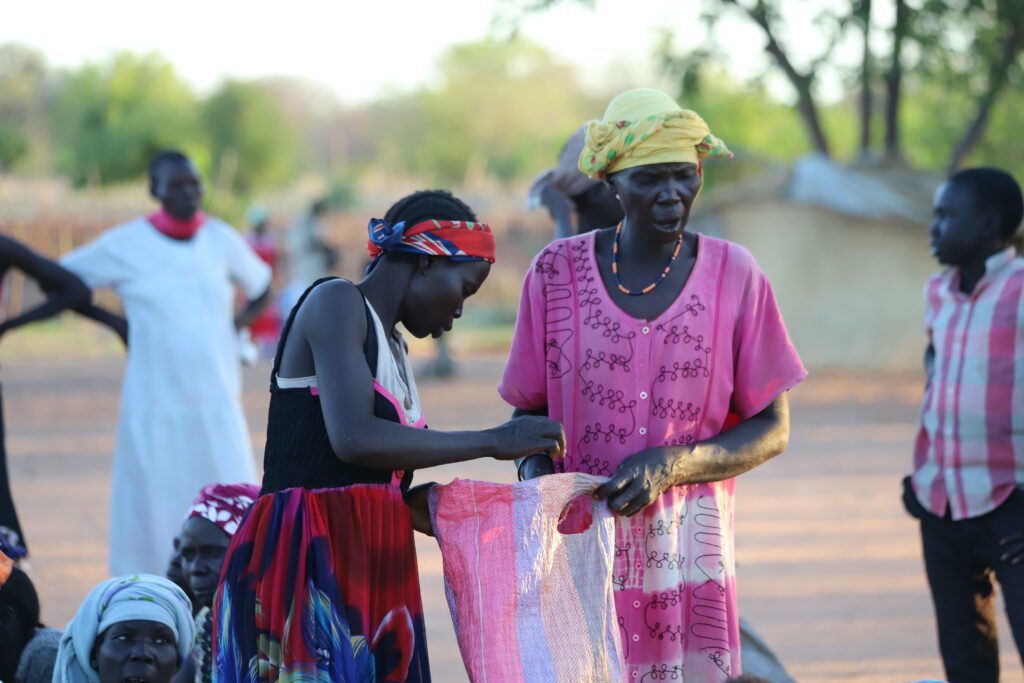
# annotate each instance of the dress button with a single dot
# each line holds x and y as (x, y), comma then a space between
(643, 395)
(646, 330)
(643, 430)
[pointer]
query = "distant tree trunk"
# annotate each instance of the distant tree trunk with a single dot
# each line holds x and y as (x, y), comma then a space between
(997, 81)
(893, 83)
(803, 83)
(866, 82)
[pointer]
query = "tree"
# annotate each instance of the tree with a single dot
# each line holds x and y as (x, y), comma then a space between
(249, 141)
(997, 50)
(863, 14)
(501, 109)
(23, 76)
(971, 45)
(110, 118)
(13, 147)
(894, 83)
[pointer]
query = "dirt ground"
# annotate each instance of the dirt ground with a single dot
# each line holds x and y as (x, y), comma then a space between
(829, 565)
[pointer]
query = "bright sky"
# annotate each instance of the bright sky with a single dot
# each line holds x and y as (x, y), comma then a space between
(359, 50)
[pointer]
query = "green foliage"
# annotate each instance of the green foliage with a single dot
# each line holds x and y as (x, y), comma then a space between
(933, 121)
(502, 109)
(747, 118)
(23, 78)
(110, 118)
(13, 147)
(249, 143)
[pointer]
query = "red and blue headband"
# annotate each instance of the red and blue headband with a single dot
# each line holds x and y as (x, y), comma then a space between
(457, 240)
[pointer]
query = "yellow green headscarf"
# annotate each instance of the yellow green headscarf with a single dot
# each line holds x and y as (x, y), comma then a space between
(642, 127)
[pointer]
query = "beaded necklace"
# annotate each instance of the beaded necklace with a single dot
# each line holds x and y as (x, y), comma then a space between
(661, 278)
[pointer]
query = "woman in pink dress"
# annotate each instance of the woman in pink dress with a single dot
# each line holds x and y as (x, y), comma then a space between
(664, 354)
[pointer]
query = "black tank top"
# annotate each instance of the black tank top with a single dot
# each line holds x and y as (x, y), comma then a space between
(298, 452)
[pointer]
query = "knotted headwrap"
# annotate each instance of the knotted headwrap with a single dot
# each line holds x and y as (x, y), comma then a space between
(224, 504)
(139, 597)
(642, 127)
(457, 240)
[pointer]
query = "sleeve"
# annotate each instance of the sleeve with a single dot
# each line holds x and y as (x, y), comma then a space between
(524, 382)
(100, 263)
(247, 269)
(766, 362)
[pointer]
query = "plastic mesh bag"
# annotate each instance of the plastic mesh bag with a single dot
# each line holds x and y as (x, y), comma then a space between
(529, 602)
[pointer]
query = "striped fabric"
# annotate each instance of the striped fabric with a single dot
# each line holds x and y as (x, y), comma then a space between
(530, 604)
(969, 454)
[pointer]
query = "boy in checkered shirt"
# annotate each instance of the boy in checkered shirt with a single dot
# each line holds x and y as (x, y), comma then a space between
(969, 455)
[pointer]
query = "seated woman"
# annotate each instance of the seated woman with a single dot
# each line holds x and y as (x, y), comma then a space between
(136, 629)
(321, 580)
(210, 524)
(27, 648)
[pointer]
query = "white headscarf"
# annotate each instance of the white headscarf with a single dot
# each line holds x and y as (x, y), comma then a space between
(139, 597)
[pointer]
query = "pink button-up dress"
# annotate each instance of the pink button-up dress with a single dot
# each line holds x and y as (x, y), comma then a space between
(718, 355)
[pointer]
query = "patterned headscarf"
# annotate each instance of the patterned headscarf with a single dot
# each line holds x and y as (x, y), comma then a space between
(457, 240)
(224, 504)
(139, 597)
(11, 544)
(642, 127)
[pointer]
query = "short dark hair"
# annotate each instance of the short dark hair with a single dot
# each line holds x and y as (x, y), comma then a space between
(996, 189)
(426, 204)
(166, 157)
(19, 593)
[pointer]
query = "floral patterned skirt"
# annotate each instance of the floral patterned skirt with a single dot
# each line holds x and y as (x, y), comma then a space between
(322, 586)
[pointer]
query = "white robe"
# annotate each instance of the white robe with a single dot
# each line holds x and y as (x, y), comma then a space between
(181, 424)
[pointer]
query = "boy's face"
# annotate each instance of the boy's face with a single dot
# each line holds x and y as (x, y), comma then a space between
(203, 547)
(961, 231)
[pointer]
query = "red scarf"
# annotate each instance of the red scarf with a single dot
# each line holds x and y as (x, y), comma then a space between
(177, 229)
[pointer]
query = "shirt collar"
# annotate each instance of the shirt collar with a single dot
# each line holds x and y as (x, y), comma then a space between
(994, 265)
(999, 260)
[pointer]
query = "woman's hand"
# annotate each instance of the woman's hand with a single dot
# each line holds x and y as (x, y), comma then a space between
(640, 479)
(527, 435)
(417, 498)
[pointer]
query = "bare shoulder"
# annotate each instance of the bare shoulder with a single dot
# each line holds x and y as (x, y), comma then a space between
(333, 309)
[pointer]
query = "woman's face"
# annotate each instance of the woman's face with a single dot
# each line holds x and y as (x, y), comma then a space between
(178, 188)
(438, 292)
(136, 652)
(203, 547)
(657, 198)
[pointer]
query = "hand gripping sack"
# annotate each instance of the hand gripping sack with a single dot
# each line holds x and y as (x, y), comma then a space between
(530, 604)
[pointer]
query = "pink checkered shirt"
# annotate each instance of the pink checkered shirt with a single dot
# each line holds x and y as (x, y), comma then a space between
(969, 453)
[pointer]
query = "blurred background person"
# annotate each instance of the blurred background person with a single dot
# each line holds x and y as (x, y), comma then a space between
(27, 648)
(310, 257)
(266, 328)
(577, 204)
(181, 424)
